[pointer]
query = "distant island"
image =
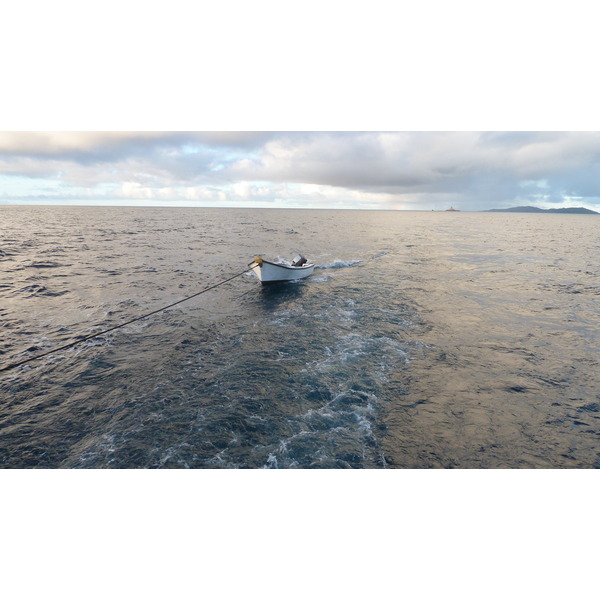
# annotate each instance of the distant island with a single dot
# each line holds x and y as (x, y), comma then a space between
(533, 209)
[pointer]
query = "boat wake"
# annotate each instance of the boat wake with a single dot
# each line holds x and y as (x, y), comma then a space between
(339, 264)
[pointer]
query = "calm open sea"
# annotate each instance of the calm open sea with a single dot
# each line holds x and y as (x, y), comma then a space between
(439, 339)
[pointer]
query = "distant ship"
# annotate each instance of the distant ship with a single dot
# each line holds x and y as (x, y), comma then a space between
(452, 209)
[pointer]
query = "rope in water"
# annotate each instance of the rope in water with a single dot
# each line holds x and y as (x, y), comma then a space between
(99, 333)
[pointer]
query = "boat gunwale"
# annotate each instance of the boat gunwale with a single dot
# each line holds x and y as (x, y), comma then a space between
(290, 267)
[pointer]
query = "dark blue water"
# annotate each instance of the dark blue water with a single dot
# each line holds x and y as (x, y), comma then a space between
(423, 340)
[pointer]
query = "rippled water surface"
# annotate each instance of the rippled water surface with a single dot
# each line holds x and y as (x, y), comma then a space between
(422, 340)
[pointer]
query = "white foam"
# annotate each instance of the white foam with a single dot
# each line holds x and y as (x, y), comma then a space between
(338, 264)
(272, 462)
(364, 425)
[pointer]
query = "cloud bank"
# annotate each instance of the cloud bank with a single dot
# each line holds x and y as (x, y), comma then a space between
(377, 170)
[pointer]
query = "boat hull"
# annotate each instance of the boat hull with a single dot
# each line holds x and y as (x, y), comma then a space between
(268, 272)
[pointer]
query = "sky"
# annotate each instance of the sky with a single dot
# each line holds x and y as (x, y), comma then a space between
(424, 170)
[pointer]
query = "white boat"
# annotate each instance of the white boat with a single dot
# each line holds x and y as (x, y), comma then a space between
(272, 272)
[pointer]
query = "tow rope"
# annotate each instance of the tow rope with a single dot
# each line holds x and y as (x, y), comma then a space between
(98, 333)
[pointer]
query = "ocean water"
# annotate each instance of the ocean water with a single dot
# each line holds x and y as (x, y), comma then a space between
(423, 340)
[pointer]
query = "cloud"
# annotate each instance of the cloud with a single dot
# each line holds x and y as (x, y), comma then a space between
(479, 167)
(152, 158)
(112, 144)
(474, 170)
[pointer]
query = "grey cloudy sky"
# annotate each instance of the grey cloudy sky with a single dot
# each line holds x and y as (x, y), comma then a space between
(367, 170)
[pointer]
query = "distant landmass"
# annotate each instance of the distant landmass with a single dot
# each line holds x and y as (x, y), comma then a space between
(533, 209)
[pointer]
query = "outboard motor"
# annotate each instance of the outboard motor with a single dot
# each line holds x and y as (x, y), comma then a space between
(298, 261)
